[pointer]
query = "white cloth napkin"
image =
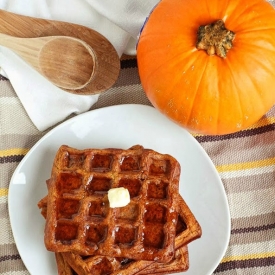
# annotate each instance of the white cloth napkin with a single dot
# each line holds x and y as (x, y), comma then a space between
(119, 21)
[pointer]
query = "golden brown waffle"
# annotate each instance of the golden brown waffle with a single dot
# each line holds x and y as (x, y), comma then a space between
(102, 265)
(179, 264)
(187, 230)
(63, 268)
(80, 220)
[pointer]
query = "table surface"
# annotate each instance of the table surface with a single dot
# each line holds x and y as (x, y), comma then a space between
(245, 162)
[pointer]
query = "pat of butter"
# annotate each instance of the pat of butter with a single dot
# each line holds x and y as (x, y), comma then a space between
(118, 197)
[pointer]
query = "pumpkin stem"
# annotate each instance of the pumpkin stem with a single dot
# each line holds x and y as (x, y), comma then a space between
(215, 39)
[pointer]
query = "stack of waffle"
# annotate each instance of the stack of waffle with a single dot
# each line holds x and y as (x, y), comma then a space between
(147, 236)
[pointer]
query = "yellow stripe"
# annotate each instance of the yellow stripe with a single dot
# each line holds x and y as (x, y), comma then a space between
(14, 151)
(3, 192)
(263, 122)
(245, 165)
(248, 257)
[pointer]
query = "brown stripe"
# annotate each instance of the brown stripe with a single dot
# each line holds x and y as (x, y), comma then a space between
(251, 263)
(127, 78)
(252, 221)
(241, 149)
(253, 229)
(128, 63)
(248, 183)
(10, 159)
(12, 263)
(8, 249)
(3, 213)
(260, 234)
(124, 96)
(240, 134)
(10, 257)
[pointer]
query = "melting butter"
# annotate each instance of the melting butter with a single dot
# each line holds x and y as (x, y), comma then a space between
(118, 197)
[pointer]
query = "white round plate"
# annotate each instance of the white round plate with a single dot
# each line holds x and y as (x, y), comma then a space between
(121, 126)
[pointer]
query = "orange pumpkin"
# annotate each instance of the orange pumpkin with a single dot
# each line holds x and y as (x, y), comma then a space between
(209, 65)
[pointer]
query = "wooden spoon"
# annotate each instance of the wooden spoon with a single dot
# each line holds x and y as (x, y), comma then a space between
(106, 62)
(67, 62)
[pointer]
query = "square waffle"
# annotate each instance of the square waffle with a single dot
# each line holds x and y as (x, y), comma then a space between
(187, 230)
(80, 220)
(69, 263)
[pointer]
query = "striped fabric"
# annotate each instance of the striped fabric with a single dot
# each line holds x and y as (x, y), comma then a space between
(245, 162)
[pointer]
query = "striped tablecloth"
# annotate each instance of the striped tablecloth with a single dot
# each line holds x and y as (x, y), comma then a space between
(245, 162)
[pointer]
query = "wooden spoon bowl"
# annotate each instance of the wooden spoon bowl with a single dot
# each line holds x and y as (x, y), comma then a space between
(67, 62)
(102, 63)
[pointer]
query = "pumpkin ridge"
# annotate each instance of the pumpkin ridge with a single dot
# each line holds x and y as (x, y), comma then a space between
(164, 60)
(254, 31)
(252, 49)
(234, 13)
(176, 83)
(175, 57)
(233, 82)
(259, 100)
(149, 75)
(180, 58)
(188, 66)
(199, 83)
(256, 48)
(257, 87)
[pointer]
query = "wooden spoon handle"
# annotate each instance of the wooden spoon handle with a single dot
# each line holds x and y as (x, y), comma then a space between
(28, 48)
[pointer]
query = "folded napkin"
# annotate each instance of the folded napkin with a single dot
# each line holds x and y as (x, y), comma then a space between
(119, 21)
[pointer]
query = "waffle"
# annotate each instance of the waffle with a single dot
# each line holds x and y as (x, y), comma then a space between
(102, 265)
(63, 268)
(179, 264)
(187, 230)
(80, 220)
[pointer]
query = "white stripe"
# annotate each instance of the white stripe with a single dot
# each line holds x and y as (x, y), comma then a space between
(259, 270)
(6, 236)
(252, 248)
(3, 199)
(247, 172)
(262, 270)
(256, 202)
(9, 101)
(21, 272)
